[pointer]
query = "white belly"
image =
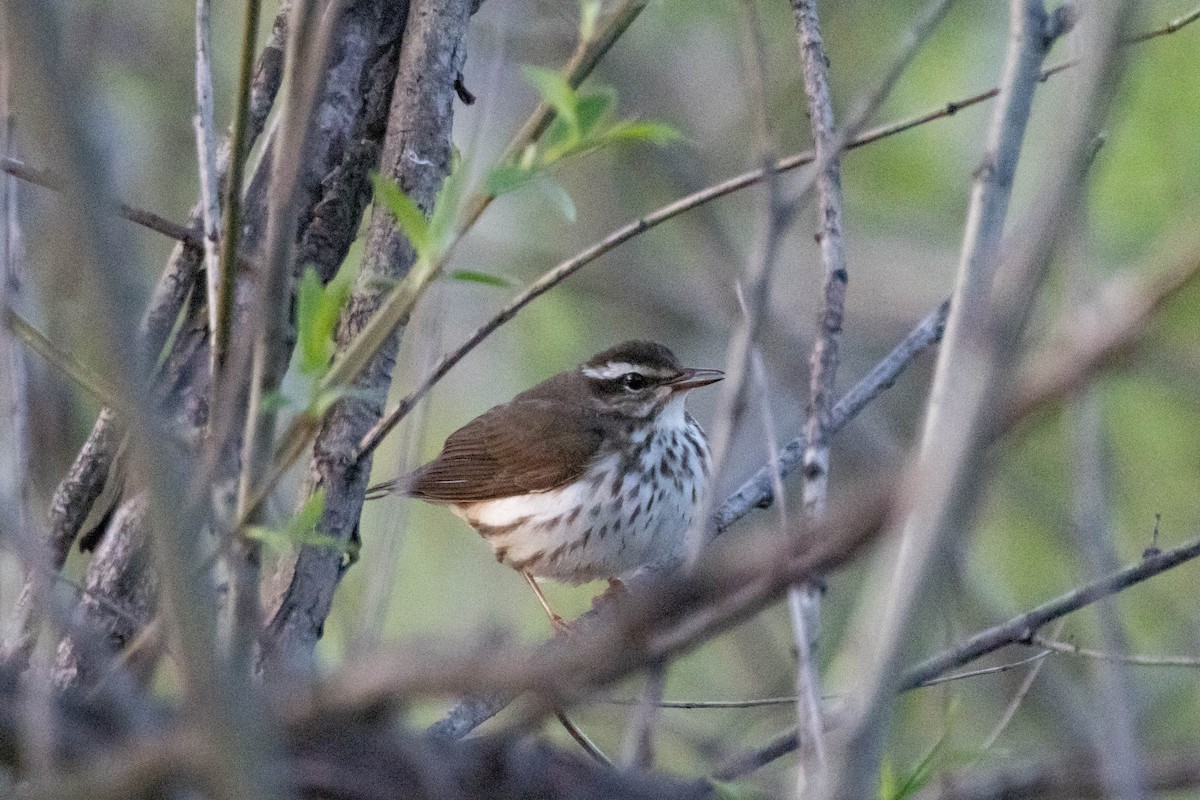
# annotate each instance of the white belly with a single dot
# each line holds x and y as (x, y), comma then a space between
(602, 526)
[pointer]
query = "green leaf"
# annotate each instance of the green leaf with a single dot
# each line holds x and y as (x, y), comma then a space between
(555, 92)
(921, 774)
(275, 400)
(558, 138)
(560, 197)
(322, 400)
(901, 787)
(528, 157)
(508, 178)
(445, 208)
(887, 780)
(407, 213)
(315, 348)
(656, 133)
(593, 108)
(318, 309)
(305, 520)
(275, 539)
(300, 530)
(486, 278)
(337, 294)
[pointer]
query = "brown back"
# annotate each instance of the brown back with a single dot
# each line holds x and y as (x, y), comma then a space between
(544, 438)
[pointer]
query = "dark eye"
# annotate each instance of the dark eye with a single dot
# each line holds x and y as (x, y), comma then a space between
(633, 381)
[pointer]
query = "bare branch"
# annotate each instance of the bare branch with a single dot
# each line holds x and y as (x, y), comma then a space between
(823, 363)
(206, 160)
(1116, 741)
(231, 222)
(654, 218)
(804, 602)
(972, 364)
(757, 491)
(1064, 778)
(638, 748)
(1021, 629)
(975, 673)
(1069, 648)
(1018, 698)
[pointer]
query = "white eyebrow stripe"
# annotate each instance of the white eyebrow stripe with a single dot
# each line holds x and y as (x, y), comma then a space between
(615, 369)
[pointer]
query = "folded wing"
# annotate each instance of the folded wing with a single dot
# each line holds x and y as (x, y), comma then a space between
(528, 445)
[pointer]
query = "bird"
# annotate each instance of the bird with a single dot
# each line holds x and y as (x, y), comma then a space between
(591, 474)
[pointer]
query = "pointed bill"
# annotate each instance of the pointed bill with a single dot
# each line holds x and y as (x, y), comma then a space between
(694, 378)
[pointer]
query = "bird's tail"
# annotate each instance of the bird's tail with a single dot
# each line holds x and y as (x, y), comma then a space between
(401, 486)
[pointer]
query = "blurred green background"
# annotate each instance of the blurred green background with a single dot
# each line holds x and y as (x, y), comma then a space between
(425, 574)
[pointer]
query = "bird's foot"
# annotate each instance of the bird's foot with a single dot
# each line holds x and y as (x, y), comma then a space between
(560, 626)
(615, 591)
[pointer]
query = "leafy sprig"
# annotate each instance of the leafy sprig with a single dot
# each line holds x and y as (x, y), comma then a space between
(583, 123)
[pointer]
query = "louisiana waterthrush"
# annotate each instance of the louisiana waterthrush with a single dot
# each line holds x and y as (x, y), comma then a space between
(591, 474)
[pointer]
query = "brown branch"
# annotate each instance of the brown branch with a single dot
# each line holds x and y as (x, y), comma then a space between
(417, 155)
(147, 219)
(659, 618)
(335, 192)
(100, 758)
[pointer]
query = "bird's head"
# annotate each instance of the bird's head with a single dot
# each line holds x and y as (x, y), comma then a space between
(638, 379)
